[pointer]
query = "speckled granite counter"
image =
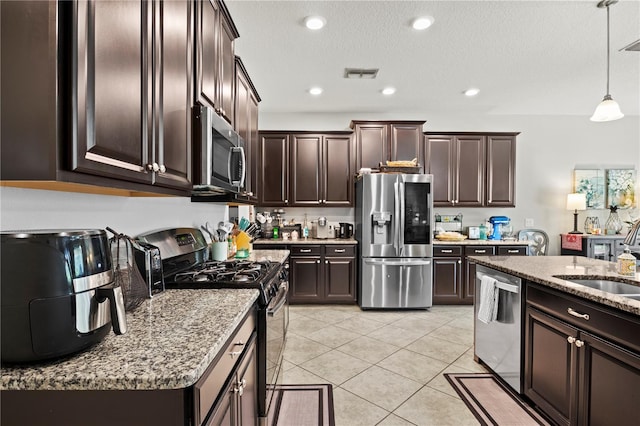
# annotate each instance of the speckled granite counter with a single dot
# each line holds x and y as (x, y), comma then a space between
(469, 242)
(270, 255)
(171, 340)
(280, 241)
(543, 269)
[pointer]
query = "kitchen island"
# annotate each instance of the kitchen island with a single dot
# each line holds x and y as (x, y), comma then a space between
(580, 361)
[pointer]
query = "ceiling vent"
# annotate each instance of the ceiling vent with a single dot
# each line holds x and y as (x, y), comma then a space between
(359, 73)
(633, 47)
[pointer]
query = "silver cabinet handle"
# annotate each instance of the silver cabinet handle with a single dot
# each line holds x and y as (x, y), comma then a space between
(579, 343)
(577, 314)
(163, 168)
(153, 167)
(326, 262)
(513, 251)
(317, 261)
(446, 251)
(571, 339)
(305, 250)
(459, 261)
(479, 251)
(339, 250)
(286, 201)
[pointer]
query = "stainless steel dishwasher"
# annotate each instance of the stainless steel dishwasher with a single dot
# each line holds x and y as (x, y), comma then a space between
(498, 342)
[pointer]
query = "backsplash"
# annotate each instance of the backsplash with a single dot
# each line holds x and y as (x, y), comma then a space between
(38, 209)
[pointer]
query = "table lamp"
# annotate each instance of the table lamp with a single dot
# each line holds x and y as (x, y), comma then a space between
(576, 202)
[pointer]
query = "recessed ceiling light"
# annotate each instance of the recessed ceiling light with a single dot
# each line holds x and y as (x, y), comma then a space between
(422, 23)
(471, 92)
(314, 22)
(388, 91)
(315, 91)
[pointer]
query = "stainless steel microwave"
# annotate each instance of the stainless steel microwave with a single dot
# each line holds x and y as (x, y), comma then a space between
(221, 163)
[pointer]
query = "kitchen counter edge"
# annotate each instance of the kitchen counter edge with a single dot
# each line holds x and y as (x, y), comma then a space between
(544, 269)
(280, 241)
(171, 340)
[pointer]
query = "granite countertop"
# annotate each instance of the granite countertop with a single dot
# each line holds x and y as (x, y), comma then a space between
(270, 255)
(544, 269)
(469, 242)
(280, 241)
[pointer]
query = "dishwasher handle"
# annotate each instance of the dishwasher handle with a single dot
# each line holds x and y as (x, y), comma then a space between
(416, 262)
(511, 288)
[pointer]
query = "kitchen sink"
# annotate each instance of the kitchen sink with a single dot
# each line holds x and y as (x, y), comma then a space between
(615, 287)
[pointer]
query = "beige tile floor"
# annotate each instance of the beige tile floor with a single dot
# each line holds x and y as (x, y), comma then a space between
(386, 367)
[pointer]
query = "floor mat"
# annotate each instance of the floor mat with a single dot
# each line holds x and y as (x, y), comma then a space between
(303, 405)
(492, 402)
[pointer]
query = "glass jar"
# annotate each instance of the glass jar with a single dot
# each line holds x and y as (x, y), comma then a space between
(613, 225)
(592, 225)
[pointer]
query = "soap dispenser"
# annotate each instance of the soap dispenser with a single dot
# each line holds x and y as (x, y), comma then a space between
(627, 263)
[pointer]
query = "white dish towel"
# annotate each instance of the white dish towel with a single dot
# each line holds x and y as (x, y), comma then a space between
(488, 310)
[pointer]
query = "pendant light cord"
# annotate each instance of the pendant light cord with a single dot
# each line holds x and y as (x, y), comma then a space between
(608, 48)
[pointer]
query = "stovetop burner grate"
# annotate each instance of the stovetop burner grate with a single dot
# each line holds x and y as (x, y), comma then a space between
(230, 271)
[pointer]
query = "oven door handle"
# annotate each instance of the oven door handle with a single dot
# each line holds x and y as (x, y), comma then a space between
(281, 298)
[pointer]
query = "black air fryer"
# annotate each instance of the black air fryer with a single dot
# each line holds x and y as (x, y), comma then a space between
(58, 293)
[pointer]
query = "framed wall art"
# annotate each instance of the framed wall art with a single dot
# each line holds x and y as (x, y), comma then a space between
(591, 183)
(621, 185)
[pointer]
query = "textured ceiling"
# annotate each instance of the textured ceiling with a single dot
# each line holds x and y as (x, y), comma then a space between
(527, 57)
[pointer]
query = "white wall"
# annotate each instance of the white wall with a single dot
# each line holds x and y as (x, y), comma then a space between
(548, 149)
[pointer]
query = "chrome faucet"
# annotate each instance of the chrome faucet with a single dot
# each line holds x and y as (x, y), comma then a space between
(632, 237)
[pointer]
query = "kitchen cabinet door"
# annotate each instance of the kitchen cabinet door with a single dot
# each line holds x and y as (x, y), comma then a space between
(440, 162)
(406, 141)
(227, 76)
(246, 124)
(549, 370)
(501, 164)
(469, 154)
(447, 275)
(112, 66)
(339, 279)
(337, 171)
(306, 279)
(372, 144)
(173, 72)
(274, 169)
(306, 169)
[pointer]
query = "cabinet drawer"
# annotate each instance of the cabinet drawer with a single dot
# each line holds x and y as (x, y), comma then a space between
(447, 251)
(306, 250)
(613, 325)
(207, 389)
(480, 251)
(513, 250)
(340, 250)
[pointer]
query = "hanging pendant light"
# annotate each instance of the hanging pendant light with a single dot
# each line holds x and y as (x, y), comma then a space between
(608, 109)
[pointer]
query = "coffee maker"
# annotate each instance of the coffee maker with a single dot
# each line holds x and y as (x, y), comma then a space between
(320, 228)
(497, 222)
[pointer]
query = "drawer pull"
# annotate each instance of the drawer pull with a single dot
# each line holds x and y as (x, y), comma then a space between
(578, 314)
(579, 343)
(571, 339)
(447, 251)
(305, 250)
(513, 251)
(479, 251)
(234, 354)
(338, 250)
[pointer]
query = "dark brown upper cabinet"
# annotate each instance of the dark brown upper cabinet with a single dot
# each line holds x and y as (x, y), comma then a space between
(379, 141)
(246, 124)
(471, 169)
(321, 167)
(132, 91)
(215, 60)
(318, 171)
(274, 169)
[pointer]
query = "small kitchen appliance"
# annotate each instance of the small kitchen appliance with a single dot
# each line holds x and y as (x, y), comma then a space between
(320, 228)
(496, 224)
(448, 222)
(149, 262)
(58, 293)
(186, 266)
(346, 230)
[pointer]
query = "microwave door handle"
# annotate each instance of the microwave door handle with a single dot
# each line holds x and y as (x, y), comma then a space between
(239, 182)
(243, 163)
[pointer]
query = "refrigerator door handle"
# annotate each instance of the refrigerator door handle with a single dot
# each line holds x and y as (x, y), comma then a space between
(401, 219)
(396, 219)
(417, 262)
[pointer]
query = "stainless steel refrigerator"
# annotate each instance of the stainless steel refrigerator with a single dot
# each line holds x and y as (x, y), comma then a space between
(394, 229)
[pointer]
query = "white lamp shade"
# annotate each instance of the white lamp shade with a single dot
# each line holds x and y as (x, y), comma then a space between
(576, 202)
(607, 110)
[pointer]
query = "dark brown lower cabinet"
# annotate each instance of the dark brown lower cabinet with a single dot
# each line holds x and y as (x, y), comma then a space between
(580, 377)
(322, 274)
(237, 405)
(454, 274)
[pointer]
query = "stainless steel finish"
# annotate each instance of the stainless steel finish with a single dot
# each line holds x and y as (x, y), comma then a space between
(91, 314)
(609, 286)
(577, 314)
(92, 281)
(394, 229)
(280, 300)
(396, 283)
(497, 343)
(165, 241)
(239, 183)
